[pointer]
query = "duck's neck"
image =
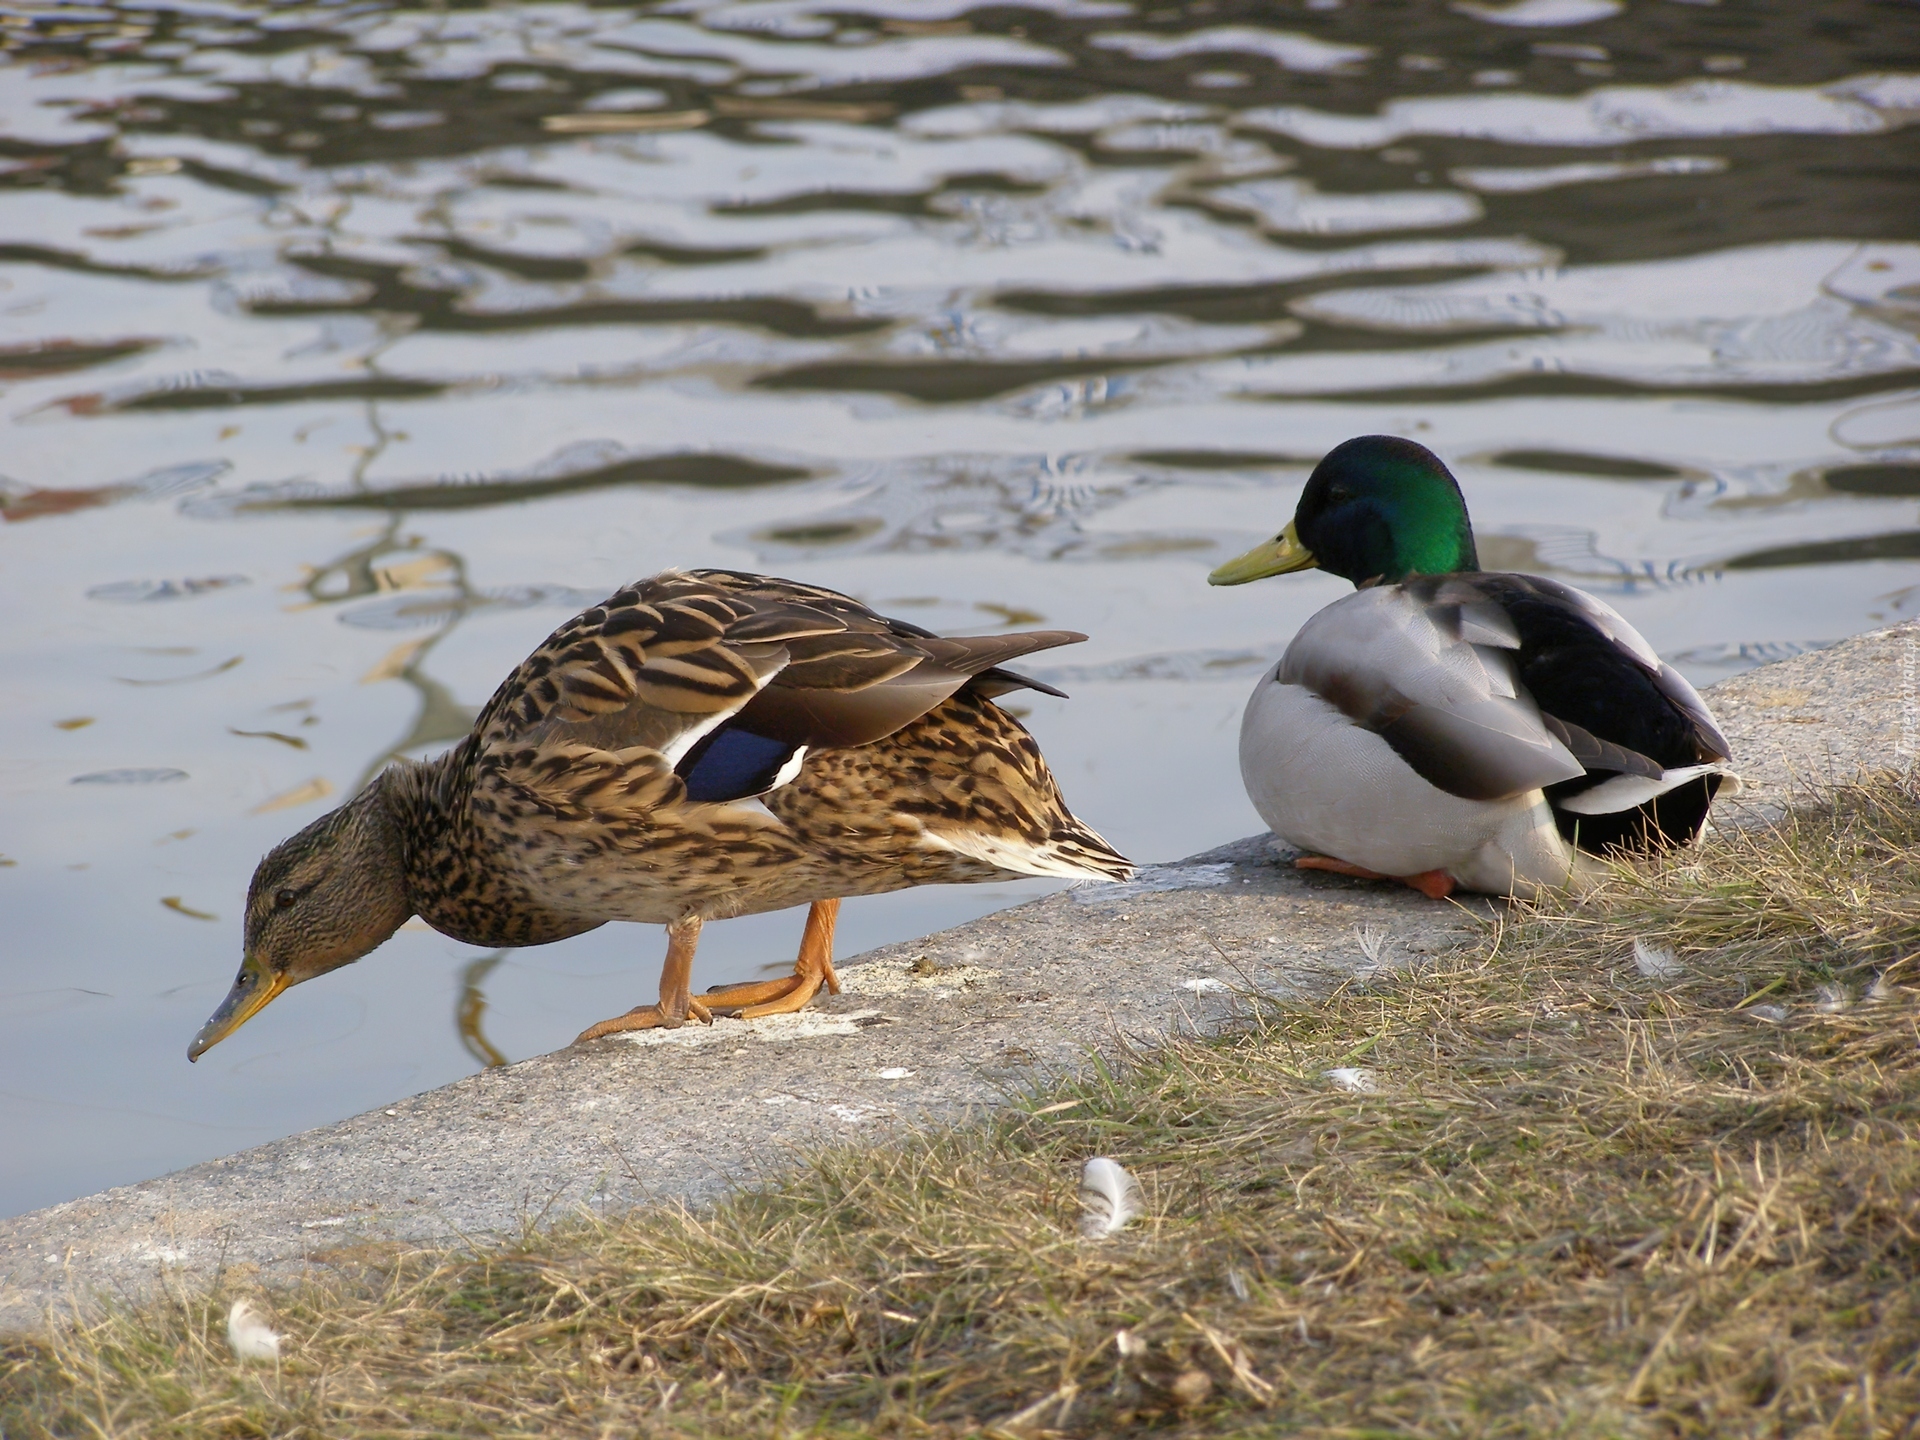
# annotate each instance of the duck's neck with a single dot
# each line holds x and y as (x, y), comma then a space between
(421, 810)
(457, 879)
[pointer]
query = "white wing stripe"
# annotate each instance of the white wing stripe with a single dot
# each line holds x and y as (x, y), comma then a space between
(675, 750)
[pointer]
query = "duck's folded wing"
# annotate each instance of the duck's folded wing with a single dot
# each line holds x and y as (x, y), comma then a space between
(1616, 643)
(1633, 722)
(711, 685)
(858, 688)
(655, 666)
(1433, 676)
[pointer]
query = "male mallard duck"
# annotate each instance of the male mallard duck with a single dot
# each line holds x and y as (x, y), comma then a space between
(703, 744)
(1448, 726)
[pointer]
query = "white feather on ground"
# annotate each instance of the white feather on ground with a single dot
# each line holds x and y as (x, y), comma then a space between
(1353, 1079)
(1111, 1195)
(248, 1334)
(1655, 961)
(1373, 942)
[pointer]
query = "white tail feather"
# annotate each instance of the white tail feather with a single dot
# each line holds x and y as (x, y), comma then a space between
(1018, 856)
(1111, 1196)
(1625, 792)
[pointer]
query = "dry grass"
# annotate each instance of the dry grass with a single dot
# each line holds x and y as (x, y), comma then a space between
(1581, 1202)
(1820, 888)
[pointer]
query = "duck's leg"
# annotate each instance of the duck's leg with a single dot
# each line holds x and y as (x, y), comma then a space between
(813, 969)
(1434, 884)
(683, 936)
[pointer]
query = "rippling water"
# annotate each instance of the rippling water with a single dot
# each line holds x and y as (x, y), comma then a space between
(350, 347)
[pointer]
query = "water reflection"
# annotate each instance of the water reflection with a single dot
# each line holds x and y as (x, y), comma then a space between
(345, 350)
(472, 1008)
(429, 588)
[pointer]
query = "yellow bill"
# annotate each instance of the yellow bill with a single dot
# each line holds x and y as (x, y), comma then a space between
(1278, 556)
(252, 991)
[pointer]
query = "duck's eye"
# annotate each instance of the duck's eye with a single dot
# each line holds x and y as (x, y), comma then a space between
(283, 899)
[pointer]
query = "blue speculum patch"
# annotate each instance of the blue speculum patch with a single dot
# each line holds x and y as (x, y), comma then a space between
(733, 764)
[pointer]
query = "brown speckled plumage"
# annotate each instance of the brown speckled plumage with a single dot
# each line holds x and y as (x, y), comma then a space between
(561, 811)
(702, 744)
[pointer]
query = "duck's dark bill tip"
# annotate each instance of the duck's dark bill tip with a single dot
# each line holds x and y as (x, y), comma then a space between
(252, 989)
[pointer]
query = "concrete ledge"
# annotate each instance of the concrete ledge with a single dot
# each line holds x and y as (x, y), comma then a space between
(930, 1030)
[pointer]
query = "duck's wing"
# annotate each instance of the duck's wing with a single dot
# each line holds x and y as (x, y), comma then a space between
(710, 685)
(1589, 668)
(1635, 724)
(978, 657)
(1431, 671)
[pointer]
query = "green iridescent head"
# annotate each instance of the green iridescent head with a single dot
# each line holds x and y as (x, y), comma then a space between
(1377, 508)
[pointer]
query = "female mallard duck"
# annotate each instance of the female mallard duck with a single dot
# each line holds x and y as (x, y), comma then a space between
(703, 744)
(1447, 726)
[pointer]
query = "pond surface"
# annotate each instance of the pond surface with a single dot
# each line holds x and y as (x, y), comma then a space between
(349, 348)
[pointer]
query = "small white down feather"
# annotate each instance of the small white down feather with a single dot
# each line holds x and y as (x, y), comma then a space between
(1111, 1196)
(249, 1334)
(1656, 962)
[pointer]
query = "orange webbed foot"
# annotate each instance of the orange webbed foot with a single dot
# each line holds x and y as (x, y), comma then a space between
(812, 972)
(645, 1017)
(1434, 884)
(1337, 867)
(764, 997)
(675, 1006)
